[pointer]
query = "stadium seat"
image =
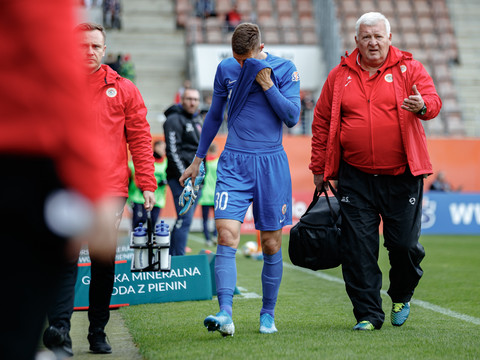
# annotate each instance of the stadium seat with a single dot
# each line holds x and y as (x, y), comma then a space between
(284, 8)
(290, 37)
(422, 8)
(271, 37)
(309, 37)
(264, 7)
(214, 36)
(304, 7)
(222, 7)
(307, 23)
(404, 8)
(287, 23)
(267, 23)
(245, 8)
(368, 6)
(348, 8)
(386, 8)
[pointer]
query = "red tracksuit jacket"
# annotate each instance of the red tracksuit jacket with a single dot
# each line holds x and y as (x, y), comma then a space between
(120, 115)
(326, 149)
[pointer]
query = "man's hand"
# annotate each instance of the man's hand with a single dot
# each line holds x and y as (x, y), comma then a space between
(149, 197)
(414, 103)
(191, 185)
(191, 171)
(264, 79)
(318, 181)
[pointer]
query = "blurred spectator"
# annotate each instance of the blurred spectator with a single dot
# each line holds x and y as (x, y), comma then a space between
(113, 61)
(207, 200)
(135, 196)
(182, 133)
(306, 112)
(127, 68)
(233, 18)
(112, 11)
(440, 183)
(205, 8)
(207, 102)
(187, 84)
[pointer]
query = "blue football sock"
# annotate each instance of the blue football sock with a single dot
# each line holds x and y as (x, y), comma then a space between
(225, 276)
(271, 279)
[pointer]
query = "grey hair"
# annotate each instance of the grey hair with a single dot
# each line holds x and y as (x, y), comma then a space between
(370, 19)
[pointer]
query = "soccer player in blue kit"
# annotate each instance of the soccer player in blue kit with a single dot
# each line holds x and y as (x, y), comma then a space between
(263, 93)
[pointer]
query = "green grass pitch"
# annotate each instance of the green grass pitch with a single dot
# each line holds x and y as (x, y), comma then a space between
(314, 315)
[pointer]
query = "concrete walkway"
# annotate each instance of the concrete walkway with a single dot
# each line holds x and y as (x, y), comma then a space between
(118, 336)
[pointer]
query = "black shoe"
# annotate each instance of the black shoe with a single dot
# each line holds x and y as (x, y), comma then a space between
(98, 342)
(57, 339)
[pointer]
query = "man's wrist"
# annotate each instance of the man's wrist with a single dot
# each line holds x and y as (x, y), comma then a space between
(423, 110)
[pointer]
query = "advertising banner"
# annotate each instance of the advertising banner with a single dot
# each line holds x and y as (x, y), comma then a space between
(188, 279)
(451, 213)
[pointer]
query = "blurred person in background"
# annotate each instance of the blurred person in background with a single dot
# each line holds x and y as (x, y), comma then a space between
(207, 200)
(50, 167)
(182, 133)
(135, 195)
(440, 183)
(108, 92)
(233, 18)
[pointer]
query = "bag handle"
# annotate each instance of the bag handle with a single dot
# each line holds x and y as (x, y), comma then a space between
(316, 196)
(334, 192)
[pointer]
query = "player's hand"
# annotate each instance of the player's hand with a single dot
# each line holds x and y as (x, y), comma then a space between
(414, 103)
(192, 171)
(149, 197)
(190, 191)
(318, 181)
(264, 78)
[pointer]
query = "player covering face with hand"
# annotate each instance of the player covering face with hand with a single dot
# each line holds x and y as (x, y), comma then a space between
(263, 93)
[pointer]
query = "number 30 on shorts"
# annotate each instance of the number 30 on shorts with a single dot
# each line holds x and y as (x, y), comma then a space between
(221, 200)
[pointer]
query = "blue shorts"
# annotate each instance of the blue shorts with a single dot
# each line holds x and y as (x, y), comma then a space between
(264, 179)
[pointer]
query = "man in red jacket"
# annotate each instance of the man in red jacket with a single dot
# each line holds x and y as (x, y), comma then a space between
(120, 115)
(367, 134)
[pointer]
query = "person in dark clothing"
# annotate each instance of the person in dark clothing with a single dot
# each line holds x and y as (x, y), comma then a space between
(182, 133)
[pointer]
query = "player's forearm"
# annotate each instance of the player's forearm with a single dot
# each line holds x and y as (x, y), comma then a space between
(287, 109)
(212, 124)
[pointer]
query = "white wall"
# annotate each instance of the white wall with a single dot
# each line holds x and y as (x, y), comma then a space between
(307, 59)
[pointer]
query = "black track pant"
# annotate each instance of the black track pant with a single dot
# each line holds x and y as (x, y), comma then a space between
(100, 292)
(366, 199)
(32, 256)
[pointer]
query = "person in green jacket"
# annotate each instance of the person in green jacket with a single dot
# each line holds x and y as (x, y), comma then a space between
(135, 197)
(208, 192)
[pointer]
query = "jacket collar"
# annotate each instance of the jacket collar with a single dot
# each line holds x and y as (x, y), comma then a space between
(111, 76)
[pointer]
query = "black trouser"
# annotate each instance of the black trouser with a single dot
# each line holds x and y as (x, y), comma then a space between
(100, 292)
(32, 255)
(364, 200)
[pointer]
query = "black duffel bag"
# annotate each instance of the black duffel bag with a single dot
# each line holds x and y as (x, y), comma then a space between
(315, 239)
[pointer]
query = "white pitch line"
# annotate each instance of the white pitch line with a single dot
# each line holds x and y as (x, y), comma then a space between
(421, 303)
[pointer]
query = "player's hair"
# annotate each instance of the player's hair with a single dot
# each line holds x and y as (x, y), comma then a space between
(90, 26)
(370, 19)
(245, 38)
